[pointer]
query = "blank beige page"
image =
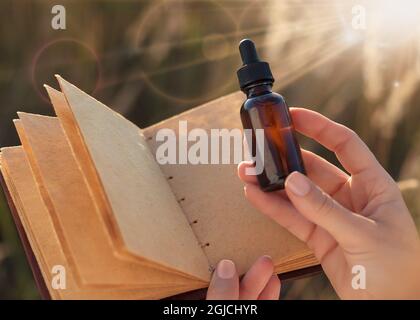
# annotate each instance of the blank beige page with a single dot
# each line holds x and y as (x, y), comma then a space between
(214, 202)
(44, 240)
(83, 234)
(148, 215)
(87, 166)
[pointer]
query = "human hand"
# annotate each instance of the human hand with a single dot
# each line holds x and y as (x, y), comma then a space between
(258, 283)
(347, 219)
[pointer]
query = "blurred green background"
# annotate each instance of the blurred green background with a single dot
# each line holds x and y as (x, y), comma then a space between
(357, 62)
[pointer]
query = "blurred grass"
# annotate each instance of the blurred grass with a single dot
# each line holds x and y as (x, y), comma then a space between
(153, 59)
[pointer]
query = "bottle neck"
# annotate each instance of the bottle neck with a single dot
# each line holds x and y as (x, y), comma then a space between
(258, 89)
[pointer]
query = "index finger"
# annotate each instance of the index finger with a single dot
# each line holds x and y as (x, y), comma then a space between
(350, 150)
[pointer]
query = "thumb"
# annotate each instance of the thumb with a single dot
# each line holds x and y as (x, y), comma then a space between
(224, 284)
(319, 208)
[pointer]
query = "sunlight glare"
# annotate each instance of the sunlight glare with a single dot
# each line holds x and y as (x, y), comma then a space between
(398, 16)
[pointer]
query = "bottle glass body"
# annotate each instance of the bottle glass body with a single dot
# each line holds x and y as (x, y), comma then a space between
(279, 154)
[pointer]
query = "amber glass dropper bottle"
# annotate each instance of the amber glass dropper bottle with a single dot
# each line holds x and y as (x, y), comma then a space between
(267, 110)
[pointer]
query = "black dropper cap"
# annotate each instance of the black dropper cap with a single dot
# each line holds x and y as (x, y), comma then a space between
(253, 70)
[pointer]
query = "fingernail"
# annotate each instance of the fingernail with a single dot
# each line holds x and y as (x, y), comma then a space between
(266, 256)
(298, 184)
(250, 171)
(226, 269)
(249, 163)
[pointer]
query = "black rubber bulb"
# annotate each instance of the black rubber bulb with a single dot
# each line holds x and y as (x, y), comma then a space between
(248, 52)
(253, 69)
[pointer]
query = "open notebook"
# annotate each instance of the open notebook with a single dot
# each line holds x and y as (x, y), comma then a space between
(92, 199)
